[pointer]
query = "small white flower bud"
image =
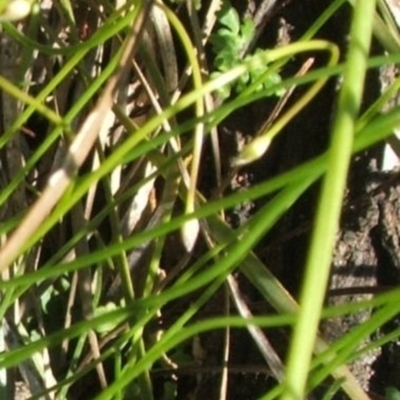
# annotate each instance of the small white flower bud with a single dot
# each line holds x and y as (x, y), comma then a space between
(252, 151)
(15, 10)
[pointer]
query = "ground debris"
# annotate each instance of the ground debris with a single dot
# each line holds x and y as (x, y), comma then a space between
(366, 260)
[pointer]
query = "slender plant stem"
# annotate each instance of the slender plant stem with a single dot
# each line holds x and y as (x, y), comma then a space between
(329, 208)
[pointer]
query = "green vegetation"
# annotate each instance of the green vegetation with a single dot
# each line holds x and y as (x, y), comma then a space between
(229, 44)
(104, 226)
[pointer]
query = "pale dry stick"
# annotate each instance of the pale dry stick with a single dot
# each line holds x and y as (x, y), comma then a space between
(263, 9)
(261, 341)
(394, 8)
(67, 93)
(166, 46)
(264, 346)
(109, 121)
(210, 20)
(77, 152)
(70, 303)
(88, 313)
(389, 14)
(267, 351)
(260, 16)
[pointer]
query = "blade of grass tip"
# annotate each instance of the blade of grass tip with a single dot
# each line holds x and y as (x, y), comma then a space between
(329, 208)
(78, 151)
(68, 8)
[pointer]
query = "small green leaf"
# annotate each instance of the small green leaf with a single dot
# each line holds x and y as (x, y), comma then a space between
(225, 33)
(243, 82)
(228, 43)
(217, 42)
(225, 61)
(109, 325)
(247, 30)
(229, 18)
